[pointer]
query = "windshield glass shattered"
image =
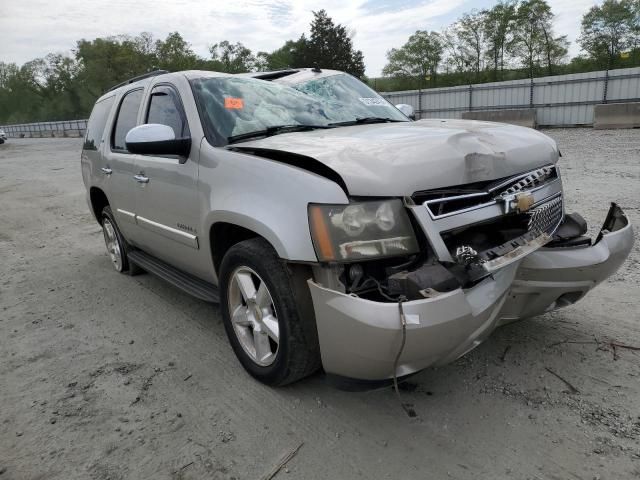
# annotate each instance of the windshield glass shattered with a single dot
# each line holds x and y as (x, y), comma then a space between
(234, 108)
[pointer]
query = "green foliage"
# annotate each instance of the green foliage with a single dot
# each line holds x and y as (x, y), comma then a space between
(283, 57)
(60, 87)
(419, 57)
(609, 29)
(328, 46)
(232, 58)
(515, 39)
(498, 24)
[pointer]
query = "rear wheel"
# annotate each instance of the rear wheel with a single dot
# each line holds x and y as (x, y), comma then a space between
(116, 247)
(263, 308)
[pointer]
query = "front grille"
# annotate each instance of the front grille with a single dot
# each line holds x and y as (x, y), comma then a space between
(499, 236)
(546, 217)
(450, 201)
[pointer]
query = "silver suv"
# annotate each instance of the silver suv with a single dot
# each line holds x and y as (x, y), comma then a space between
(335, 232)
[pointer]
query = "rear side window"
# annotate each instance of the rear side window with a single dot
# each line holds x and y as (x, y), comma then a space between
(96, 124)
(165, 108)
(127, 119)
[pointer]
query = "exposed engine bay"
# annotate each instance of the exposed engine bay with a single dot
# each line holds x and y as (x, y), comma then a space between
(424, 276)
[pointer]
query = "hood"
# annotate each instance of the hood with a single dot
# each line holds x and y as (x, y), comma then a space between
(398, 159)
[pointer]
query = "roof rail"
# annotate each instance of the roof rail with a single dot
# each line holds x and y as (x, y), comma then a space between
(272, 75)
(155, 73)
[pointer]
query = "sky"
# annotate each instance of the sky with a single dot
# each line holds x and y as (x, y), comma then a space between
(33, 28)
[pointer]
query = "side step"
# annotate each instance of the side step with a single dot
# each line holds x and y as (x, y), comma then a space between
(192, 285)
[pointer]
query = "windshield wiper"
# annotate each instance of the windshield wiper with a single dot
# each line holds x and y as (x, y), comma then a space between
(274, 130)
(363, 120)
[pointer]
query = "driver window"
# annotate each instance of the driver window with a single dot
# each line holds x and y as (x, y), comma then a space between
(166, 109)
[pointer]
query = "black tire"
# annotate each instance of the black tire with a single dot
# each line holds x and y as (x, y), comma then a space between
(298, 353)
(107, 215)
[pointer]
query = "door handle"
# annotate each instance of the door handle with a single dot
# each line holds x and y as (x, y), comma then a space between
(140, 178)
(106, 170)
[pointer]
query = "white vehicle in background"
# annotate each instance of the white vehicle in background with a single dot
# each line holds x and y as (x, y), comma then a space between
(3, 136)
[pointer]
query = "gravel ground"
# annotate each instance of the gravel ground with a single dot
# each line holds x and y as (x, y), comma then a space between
(107, 376)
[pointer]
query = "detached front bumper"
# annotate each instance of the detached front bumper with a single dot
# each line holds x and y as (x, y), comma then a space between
(359, 339)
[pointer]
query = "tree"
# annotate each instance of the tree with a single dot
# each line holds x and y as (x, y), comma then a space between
(454, 54)
(470, 34)
(329, 46)
(528, 41)
(419, 57)
(498, 24)
(232, 58)
(283, 57)
(104, 62)
(609, 29)
(175, 54)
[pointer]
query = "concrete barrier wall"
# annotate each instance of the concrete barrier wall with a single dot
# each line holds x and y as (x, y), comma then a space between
(617, 115)
(523, 117)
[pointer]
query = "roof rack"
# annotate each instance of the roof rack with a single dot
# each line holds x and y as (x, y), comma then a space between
(272, 75)
(155, 73)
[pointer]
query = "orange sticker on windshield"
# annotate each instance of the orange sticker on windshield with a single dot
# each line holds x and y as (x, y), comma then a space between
(233, 103)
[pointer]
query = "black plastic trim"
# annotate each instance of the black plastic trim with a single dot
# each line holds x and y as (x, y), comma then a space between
(296, 160)
(184, 281)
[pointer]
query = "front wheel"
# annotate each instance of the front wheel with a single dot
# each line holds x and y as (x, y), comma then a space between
(263, 308)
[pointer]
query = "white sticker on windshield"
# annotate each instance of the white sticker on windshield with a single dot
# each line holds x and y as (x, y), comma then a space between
(373, 101)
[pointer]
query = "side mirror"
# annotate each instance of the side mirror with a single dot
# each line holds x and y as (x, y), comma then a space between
(407, 110)
(156, 139)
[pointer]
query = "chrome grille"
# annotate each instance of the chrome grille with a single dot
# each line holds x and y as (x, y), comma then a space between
(530, 181)
(451, 201)
(546, 217)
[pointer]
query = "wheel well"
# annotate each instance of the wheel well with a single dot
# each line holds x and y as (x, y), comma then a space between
(98, 202)
(223, 236)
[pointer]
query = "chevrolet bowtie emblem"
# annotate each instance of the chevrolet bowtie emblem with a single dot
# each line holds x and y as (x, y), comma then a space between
(524, 201)
(518, 203)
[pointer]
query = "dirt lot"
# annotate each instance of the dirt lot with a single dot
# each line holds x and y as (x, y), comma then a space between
(107, 376)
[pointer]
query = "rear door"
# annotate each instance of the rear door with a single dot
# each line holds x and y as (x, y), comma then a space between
(121, 165)
(166, 205)
(94, 168)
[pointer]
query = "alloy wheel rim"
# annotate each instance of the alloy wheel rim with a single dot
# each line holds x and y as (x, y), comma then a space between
(253, 316)
(112, 244)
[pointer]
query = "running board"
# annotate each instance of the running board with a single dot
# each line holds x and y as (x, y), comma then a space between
(190, 284)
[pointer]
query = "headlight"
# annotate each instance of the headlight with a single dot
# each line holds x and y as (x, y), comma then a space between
(358, 231)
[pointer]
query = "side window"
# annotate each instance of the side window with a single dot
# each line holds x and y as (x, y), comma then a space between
(127, 119)
(96, 124)
(165, 108)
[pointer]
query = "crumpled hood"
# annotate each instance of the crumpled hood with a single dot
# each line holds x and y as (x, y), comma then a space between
(398, 159)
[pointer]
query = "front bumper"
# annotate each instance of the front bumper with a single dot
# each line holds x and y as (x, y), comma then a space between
(360, 339)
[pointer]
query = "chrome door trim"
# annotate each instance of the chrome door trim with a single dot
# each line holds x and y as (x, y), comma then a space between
(171, 233)
(126, 215)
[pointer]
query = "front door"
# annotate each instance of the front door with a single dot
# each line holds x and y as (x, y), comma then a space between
(166, 198)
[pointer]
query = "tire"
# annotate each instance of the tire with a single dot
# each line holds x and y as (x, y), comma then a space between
(293, 353)
(114, 241)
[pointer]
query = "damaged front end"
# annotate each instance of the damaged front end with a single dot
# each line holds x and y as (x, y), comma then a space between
(484, 254)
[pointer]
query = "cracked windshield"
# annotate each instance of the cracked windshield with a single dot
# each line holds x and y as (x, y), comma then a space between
(236, 107)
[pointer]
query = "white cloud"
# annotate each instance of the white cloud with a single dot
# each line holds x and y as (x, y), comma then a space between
(33, 28)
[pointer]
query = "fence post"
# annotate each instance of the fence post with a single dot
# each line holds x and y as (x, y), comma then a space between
(531, 93)
(606, 86)
(419, 104)
(470, 97)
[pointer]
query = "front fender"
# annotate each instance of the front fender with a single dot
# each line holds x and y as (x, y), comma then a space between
(264, 196)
